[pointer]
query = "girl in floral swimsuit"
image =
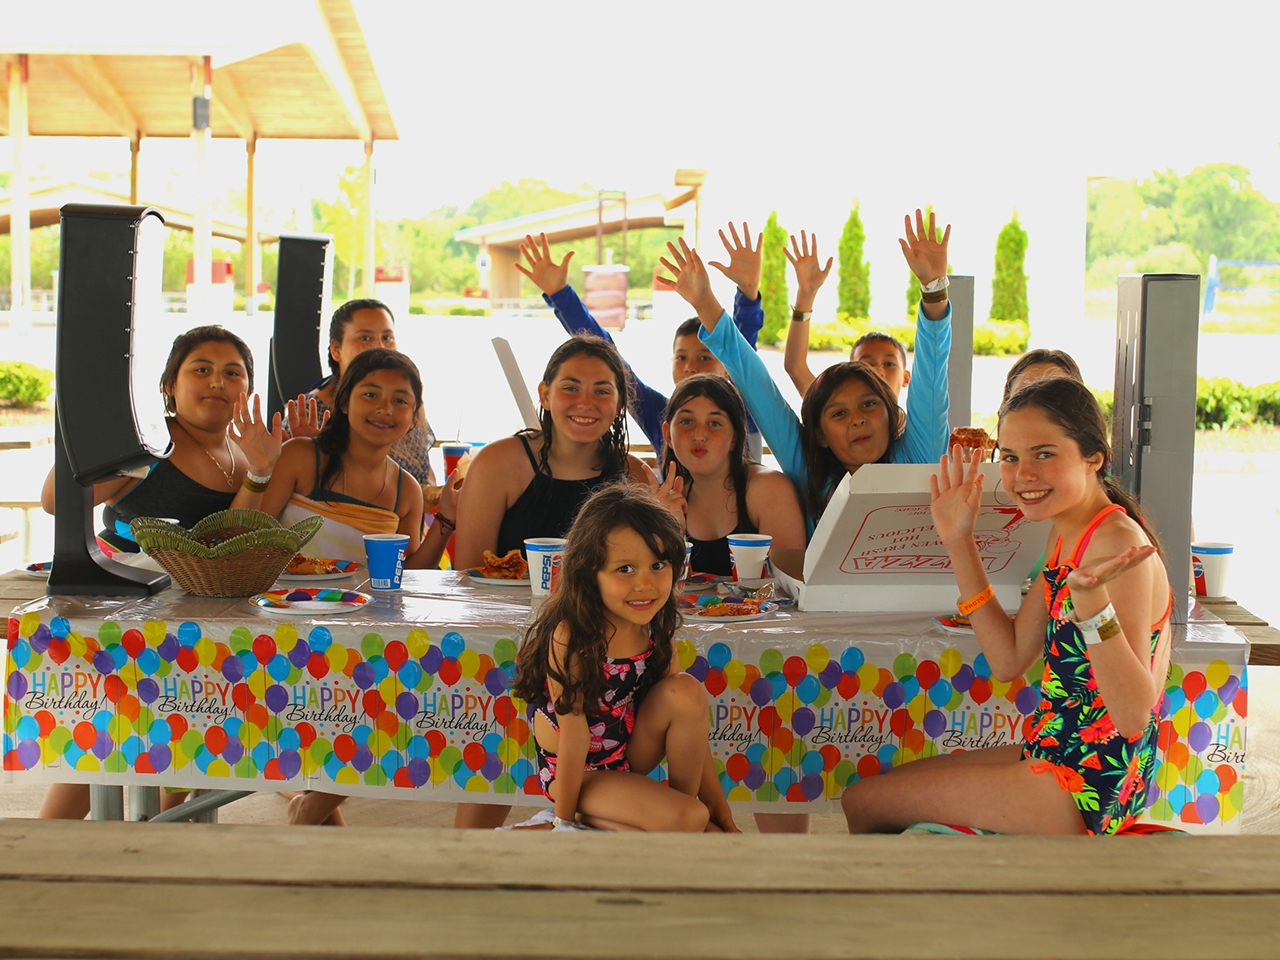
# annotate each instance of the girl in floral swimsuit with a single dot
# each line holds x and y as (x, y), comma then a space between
(607, 697)
(1098, 622)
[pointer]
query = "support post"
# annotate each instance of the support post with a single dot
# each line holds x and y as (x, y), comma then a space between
(135, 146)
(202, 272)
(250, 248)
(19, 192)
(960, 362)
(144, 802)
(106, 803)
(370, 234)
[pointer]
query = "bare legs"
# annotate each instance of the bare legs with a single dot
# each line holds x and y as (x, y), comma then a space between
(989, 789)
(65, 801)
(314, 807)
(480, 816)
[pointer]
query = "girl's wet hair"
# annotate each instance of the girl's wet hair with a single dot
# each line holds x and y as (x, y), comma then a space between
(577, 604)
(336, 435)
(726, 398)
(825, 470)
(1032, 358)
(343, 316)
(1071, 406)
(613, 445)
(185, 344)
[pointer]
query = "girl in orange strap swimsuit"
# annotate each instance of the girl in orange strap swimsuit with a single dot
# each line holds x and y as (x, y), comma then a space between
(1087, 759)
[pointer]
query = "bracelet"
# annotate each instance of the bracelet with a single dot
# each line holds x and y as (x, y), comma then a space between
(564, 824)
(800, 316)
(441, 518)
(937, 297)
(252, 485)
(250, 475)
(967, 607)
(1102, 626)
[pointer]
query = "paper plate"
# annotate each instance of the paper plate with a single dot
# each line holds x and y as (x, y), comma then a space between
(768, 608)
(310, 602)
(475, 576)
(346, 568)
(703, 581)
(38, 571)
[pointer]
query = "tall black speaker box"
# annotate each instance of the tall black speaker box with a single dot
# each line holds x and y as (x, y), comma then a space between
(304, 278)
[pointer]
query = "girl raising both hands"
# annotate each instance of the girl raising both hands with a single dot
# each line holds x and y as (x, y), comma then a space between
(1096, 615)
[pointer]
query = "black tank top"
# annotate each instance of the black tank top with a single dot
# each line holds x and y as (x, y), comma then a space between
(546, 508)
(712, 556)
(165, 492)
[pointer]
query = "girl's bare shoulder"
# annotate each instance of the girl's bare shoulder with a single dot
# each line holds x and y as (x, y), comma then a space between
(506, 452)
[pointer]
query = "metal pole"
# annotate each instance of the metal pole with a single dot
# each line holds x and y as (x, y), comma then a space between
(202, 261)
(250, 232)
(106, 803)
(202, 803)
(144, 803)
(135, 145)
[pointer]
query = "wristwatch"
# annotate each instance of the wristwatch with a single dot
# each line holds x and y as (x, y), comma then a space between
(800, 316)
(934, 286)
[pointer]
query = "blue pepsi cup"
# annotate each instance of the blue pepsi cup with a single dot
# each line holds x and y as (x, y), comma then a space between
(385, 555)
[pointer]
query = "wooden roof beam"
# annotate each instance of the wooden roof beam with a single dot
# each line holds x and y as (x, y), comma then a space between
(4, 96)
(331, 61)
(230, 106)
(86, 72)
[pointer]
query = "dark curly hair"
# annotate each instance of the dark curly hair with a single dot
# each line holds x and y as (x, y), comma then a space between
(823, 467)
(577, 605)
(336, 435)
(613, 445)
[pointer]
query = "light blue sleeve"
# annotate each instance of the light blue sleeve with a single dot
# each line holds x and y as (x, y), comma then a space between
(925, 438)
(778, 423)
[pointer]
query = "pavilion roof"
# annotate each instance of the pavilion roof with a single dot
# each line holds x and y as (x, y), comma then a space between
(316, 80)
(575, 221)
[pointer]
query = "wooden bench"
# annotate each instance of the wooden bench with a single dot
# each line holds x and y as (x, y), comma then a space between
(121, 889)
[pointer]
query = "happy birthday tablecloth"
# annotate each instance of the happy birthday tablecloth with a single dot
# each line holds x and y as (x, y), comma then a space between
(409, 698)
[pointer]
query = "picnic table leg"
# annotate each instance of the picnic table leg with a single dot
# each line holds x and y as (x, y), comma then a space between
(144, 802)
(106, 803)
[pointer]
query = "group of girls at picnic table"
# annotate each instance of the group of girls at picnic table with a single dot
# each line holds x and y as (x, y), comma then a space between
(597, 666)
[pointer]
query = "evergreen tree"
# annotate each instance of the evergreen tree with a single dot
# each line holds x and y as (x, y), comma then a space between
(774, 298)
(853, 282)
(1009, 285)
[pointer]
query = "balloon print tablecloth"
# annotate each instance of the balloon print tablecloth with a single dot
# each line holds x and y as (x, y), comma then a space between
(408, 698)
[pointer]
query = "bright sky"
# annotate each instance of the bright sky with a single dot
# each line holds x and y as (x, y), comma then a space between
(979, 108)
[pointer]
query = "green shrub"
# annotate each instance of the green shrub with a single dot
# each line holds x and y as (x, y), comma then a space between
(1267, 409)
(24, 383)
(1222, 403)
(465, 311)
(1000, 338)
(417, 308)
(904, 330)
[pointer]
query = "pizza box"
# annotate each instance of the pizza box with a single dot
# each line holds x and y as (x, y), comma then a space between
(875, 548)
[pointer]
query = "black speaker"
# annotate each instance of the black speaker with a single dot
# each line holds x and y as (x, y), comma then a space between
(304, 279)
(112, 340)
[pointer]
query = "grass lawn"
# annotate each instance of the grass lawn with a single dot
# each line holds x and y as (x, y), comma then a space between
(1236, 312)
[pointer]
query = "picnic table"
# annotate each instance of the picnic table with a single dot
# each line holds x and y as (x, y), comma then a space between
(407, 698)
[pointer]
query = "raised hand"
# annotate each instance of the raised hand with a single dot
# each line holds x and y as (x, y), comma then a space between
(549, 277)
(671, 493)
(1104, 571)
(449, 494)
(810, 274)
(248, 429)
(926, 254)
(692, 281)
(304, 417)
(956, 495)
(744, 261)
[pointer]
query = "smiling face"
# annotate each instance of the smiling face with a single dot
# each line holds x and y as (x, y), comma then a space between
(854, 425)
(209, 382)
(689, 355)
(382, 406)
(883, 357)
(634, 582)
(1041, 466)
(366, 329)
(702, 436)
(583, 399)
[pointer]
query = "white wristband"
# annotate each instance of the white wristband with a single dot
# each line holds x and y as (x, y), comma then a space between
(1102, 626)
(257, 479)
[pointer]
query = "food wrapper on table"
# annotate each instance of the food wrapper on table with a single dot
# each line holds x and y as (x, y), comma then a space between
(409, 698)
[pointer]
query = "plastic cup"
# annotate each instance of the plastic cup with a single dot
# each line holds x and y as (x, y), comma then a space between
(543, 554)
(750, 552)
(688, 560)
(1210, 561)
(384, 553)
(453, 452)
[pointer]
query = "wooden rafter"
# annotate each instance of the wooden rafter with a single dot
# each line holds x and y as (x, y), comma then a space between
(329, 55)
(230, 106)
(86, 72)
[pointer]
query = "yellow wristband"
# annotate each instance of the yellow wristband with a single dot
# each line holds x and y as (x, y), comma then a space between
(967, 607)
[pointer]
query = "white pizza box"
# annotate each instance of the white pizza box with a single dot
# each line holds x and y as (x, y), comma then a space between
(876, 549)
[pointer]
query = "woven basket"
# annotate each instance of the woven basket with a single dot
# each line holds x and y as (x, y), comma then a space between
(232, 553)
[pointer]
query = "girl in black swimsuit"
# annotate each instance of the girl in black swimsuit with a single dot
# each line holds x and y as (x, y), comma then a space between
(532, 484)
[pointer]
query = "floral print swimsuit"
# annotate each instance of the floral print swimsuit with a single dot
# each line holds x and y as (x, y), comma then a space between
(611, 728)
(1072, 735)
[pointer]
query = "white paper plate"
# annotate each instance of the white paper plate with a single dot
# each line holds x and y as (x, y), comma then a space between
(348, 568)
(285, 603)
(767, 609)
(476, 577)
